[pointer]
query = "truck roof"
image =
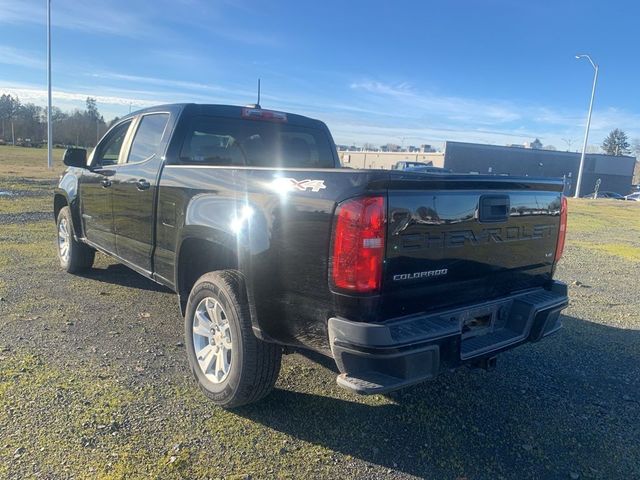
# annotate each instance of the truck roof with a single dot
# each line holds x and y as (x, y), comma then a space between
(230, 111)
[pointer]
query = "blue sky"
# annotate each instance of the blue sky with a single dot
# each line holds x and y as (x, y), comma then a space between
(492, 71)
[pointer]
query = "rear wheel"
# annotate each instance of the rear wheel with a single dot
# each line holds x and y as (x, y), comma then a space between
(231, 365)
(73, 255)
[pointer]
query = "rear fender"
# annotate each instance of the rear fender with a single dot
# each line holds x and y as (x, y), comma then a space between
(232, 226)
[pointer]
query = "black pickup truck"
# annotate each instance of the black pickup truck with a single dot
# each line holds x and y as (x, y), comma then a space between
(270, 245)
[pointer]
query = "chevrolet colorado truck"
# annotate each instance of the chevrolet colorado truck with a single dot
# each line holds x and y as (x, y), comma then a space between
(271, 246)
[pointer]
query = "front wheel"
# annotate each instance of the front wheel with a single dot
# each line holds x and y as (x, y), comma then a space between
(73, 255)
(231, 365)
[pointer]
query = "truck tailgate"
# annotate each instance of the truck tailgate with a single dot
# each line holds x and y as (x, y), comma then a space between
(479, 238)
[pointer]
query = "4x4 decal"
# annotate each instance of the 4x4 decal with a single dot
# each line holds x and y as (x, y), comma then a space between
(300, 185)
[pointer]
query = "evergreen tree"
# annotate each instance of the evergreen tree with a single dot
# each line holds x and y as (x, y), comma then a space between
(616, 143)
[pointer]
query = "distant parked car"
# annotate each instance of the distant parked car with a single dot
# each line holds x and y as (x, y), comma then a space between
(612, 195)
(428, 169)
(633, 196)
(404, 164)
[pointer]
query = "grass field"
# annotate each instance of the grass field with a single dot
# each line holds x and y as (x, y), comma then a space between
(94, 381)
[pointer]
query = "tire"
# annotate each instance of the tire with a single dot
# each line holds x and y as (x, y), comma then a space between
(253, 365)
(73, 255)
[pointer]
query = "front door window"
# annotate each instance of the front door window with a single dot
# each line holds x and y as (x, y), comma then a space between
(108, 152)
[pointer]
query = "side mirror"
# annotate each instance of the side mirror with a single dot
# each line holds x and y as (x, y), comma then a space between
(75, 157)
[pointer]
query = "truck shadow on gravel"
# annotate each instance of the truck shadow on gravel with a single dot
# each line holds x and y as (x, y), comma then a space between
(555, 409)
(118, 274)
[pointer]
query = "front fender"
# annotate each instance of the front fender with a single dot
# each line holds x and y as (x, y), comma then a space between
(66, 194)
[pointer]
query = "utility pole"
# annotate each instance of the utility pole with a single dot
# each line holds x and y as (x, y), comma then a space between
(586, 130)
(49, 125)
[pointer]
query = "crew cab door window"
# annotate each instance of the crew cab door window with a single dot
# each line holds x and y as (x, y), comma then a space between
(108, 151)
(148, 137)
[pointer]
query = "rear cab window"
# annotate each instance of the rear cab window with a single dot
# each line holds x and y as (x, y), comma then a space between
(220, 141)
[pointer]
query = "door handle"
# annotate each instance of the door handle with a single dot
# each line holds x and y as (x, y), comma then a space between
(142, 184)
(106, 183)
(105, 172)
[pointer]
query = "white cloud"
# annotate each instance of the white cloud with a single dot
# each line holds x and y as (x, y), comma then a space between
(21, 58)
(146, 19)
(454, 108)
(384, 113)
(350, 132)
(610, 118)
(182, 84)
(433, 117)
(109, 105)
(116, 101)
(90, 17)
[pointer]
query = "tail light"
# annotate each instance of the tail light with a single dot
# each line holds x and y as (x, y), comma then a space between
(358, 245)
(563, 228)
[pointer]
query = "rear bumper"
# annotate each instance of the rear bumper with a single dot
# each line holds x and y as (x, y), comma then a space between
(381, 357)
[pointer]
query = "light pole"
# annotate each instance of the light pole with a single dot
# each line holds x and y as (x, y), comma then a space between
(49, 126)
(586, 131)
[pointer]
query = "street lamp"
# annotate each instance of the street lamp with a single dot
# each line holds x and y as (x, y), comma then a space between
(586, 131)
(49, 126)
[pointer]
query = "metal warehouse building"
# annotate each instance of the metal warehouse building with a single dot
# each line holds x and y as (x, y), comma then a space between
(614, 172)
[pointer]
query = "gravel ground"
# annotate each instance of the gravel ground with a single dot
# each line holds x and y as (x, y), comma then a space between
(12, 193)
(94, 382)
(24, 217)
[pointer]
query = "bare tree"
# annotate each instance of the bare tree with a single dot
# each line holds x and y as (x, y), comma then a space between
(593, 149)
(568, 141)
(27, 123)
(9, 107)
(636, 170)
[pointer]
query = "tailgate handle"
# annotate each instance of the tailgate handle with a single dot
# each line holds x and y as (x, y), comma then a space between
(493, 208)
